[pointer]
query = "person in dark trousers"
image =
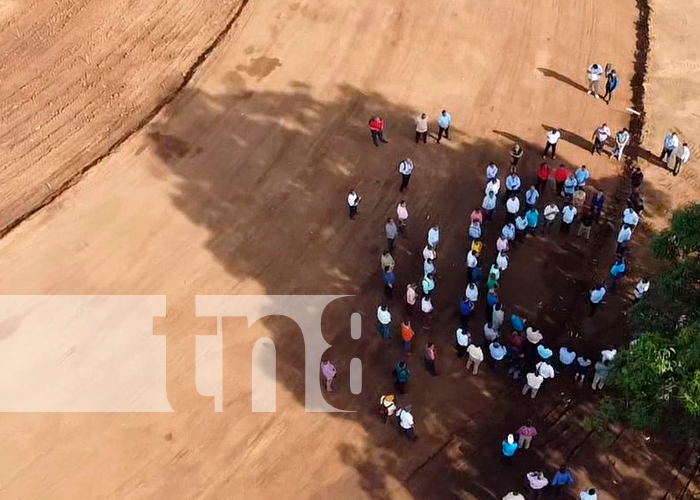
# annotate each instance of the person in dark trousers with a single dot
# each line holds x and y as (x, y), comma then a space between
(353, 202)
(560, 176)
(542, 177)
(401, 377)
(444, 121)
(422, 128)
(560, 481)
(515, 154)
(551, 144)
(376, 129)
(405, 169)
(429, 356)
(389, 280)
(392, 232)
(596, 297)
(610, 86)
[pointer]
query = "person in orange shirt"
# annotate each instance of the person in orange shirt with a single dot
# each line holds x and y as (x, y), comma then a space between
(407, 335)
(376, 130)
(560, 176)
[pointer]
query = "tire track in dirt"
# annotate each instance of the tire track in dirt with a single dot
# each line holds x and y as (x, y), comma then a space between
(167, 99)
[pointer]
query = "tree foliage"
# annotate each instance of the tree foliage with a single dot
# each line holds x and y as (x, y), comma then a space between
(657, 379)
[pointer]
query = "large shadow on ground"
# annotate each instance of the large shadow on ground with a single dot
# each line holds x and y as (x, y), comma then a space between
(270, 190)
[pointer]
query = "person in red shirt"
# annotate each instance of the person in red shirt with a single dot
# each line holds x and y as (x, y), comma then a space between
(542, 177)
(376, 129)
(560, 176)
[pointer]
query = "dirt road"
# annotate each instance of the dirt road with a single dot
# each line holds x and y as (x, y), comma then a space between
(238, 187)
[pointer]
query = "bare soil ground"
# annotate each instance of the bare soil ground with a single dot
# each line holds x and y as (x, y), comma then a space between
(238, 186)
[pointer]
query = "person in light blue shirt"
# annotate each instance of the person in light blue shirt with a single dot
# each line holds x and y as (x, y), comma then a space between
(491, 171)
(488, 206)
(582, 175)
(512, 184)
(566, 356)
(617, 271)
(444, 121)
(531, 196)
(475, 230)
(532, 216)
(520, 229)
(570, 186)
(508, 231)
(497, 351)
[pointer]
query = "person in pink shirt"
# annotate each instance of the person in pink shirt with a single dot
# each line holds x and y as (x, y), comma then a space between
(477, 215)
(328, 370)
(402, 215)
(526, 433)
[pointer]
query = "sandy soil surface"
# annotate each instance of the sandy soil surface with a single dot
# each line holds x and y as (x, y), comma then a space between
(78, 75)
(238, 187)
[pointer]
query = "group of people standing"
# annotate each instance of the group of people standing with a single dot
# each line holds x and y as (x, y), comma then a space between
(523, 351)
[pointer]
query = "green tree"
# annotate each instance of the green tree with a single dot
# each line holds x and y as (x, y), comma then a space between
(657, 379)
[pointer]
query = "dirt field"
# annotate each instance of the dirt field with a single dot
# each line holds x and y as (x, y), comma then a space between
(237, 186)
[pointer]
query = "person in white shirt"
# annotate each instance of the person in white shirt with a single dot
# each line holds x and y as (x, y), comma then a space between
(608, 354)
(671, 142)
(402, 214)
(550, 213)
(462, 340)
(533, 382)
(537, 483)
(406, 422)
(472, 292)
(429, 252)
(513, 495)
(472, 263)
(492, 185)
(568, 214)
(405, 169)
(488, 206)
(490, 333)
(353, 202)
(426, 305)
(630, 217)
(491, 171)
(502, 261)
(552, 139)
(497, 316)
(640, 289)
(433, 236)
(600, 137)
(422, 128)
(682, 156)
(411, 296)
(383, 321)
(513, 207)
(623, 237)
(545, 369)
(595, 72)
(476, 356)
(501, 244)
(596, 297)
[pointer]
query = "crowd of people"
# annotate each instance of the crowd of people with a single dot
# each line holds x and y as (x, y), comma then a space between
(510, 343)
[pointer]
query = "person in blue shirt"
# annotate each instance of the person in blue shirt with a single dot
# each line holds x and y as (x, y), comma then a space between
(532, 216)
(508, 446)
(389, 280)
(582, 174)
(617, 271)
(512, 184)
(597, 204)
(531, 196)
(610, 86)
(570, 186)
(491, 300)
(465, 309)
(560, 480)
(444, 121)
(518, 323)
